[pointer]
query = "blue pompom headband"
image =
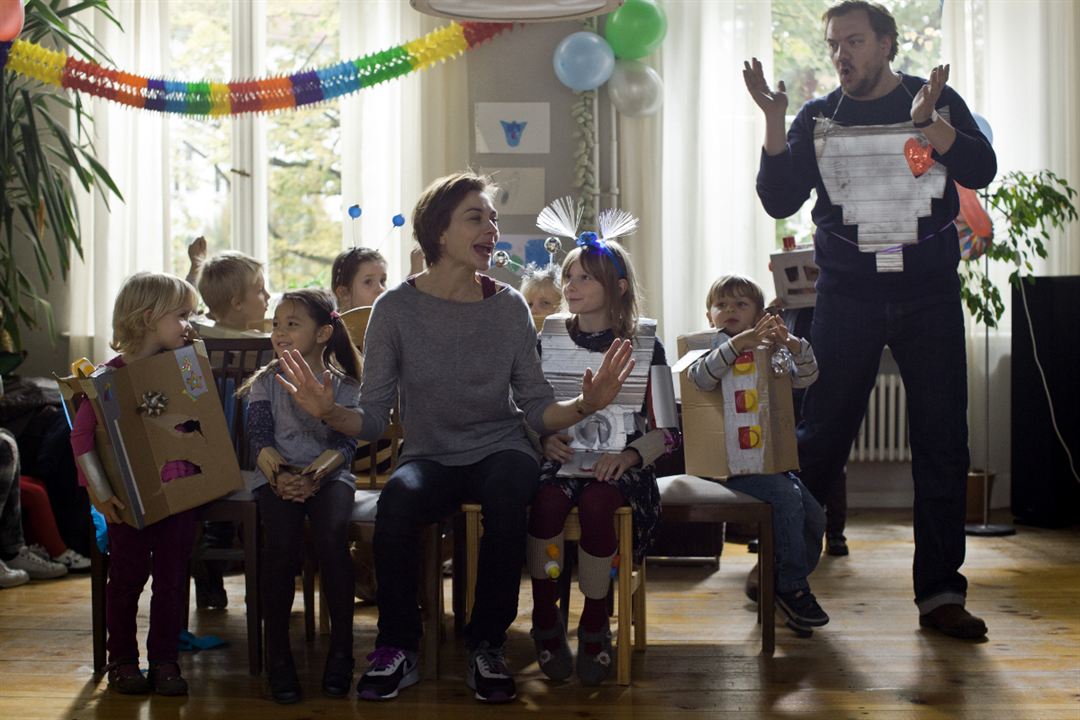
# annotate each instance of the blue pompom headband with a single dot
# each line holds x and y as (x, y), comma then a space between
(562, 217)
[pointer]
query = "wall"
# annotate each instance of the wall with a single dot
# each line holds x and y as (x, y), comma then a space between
(517, 67)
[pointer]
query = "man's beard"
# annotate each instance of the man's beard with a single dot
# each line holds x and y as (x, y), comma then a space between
(866, 85)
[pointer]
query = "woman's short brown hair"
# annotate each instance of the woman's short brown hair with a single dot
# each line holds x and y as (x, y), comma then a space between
(436, 205)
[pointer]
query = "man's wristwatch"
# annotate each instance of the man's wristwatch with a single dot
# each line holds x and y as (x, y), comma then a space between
(927, 122)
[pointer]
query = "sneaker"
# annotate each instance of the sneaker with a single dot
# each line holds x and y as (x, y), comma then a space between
(489, 676)
(39, 550)
(73, 561)
(802, 608)
(209, 586)
(284, 685)
(36, 567)
(126, 678)
(337, 676)
(836, 545)
(392, 669)
(594, 669)
(165, 679)
(801, 631)
(557, 665)
(12, 578)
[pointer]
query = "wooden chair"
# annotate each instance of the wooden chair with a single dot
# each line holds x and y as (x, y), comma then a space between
(630, 580)
(691, 499)
(234, 360)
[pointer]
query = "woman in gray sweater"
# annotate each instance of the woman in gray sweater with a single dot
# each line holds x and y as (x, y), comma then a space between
(456, 351)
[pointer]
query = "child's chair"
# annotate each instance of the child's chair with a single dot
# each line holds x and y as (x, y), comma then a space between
(630, 580)
(233, 360)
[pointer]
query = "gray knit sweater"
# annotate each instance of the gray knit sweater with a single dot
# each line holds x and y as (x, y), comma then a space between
(467, 374)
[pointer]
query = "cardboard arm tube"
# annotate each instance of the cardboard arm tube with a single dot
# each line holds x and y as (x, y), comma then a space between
(90, 464)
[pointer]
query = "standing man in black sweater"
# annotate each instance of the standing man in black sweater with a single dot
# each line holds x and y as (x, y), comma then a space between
(882, 152)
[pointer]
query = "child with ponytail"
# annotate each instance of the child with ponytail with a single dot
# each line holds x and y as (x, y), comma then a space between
(303, 471)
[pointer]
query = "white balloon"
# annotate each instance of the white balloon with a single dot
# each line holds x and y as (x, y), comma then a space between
(635, 89)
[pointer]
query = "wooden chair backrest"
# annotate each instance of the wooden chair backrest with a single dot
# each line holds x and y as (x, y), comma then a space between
(234, 360)
(356, 322)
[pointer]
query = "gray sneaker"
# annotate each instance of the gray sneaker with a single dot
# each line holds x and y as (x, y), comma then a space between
(489, 676)
(594, 669)
(557, 665)
(12, 578)
(73, 561)
(37, 567)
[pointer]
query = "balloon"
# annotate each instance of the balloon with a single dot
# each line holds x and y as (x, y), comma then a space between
(973, 212)
(354, 211)
(11, 19)
(399, 220)
(984, 127)
(583, 61)
(636, 29)
(635, 88)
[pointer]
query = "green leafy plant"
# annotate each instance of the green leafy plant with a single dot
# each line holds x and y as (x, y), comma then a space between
(1029, 206)
(39, 156)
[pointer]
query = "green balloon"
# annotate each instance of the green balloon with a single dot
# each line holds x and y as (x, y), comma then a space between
(636, 29)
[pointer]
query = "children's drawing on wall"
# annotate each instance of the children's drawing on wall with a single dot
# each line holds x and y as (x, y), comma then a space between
(513, 128)
(523, 249)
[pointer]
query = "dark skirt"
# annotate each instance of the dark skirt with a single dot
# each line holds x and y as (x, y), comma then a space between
(639, 489)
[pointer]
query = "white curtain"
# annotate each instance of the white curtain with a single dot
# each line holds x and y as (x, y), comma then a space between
(711, 221)
(1015, 62)
(399, 136)
(123, 237)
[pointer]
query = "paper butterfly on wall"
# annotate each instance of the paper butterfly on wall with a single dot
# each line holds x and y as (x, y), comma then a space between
(513, 131)
(563, 216)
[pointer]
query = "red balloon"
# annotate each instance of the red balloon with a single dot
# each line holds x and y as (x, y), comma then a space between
(11, 19)
(973, 213)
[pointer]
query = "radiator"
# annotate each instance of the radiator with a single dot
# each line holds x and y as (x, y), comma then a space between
(883, 436)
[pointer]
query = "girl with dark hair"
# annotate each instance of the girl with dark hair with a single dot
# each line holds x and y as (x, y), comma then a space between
(303, 471)
(358, 277)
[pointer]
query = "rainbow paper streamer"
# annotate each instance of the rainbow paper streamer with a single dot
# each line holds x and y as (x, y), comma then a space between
(214, 99)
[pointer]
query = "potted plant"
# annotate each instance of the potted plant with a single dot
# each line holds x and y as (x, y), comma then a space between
(39, 157)
(1030, 206)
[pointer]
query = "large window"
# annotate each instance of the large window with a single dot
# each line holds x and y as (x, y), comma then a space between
(293, 157)
(303, 149)
(199, 149)
(801, 59)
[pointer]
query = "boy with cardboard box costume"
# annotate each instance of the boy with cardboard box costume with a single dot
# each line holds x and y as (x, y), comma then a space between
(757, 448)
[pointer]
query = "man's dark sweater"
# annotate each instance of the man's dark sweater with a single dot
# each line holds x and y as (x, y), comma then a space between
(784, 182)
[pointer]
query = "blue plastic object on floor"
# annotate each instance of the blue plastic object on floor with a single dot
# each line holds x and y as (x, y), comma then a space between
(194, 643)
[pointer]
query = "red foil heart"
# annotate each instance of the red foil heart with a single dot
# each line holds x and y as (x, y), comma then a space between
(918, 156)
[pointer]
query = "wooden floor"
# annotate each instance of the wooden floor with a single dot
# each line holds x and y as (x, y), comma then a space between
(871, 661)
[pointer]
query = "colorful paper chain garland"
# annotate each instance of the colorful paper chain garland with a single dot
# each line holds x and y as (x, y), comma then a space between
(244, 96)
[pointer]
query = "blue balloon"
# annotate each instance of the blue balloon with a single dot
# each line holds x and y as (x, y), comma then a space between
(583, 61)
(354, 211)
(399, 220)
(984, 127)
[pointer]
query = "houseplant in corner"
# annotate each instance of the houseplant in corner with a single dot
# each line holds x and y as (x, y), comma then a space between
(1029, 206)
(40, 158)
